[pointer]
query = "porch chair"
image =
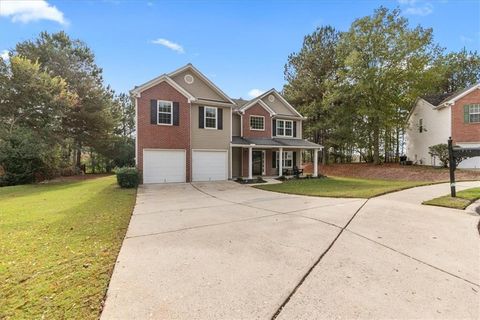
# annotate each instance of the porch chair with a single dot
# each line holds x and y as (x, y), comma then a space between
(296, 171)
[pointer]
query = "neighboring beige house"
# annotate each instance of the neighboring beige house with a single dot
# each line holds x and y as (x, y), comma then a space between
(190, 130)
(435, 118)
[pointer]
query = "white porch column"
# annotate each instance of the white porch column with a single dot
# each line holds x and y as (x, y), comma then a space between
(280, 162)
(300, 160)
(250, 163)
(315, 163)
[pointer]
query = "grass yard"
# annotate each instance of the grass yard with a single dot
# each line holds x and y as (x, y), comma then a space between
(58, 246)
(340, 187)
(464, 199)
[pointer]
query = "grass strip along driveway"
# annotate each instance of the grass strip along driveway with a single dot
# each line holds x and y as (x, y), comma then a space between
(340, 187)
(464, 199)
(58, 246)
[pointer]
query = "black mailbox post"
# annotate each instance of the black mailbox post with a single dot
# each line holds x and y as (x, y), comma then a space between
(455, 156)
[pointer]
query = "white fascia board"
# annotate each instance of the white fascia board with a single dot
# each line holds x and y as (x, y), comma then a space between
(204, 78)
(261, 103)
(163, 78)
(452, 101)
(274, 147)
(288, 104)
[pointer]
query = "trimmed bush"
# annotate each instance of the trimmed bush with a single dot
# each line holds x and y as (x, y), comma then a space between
(127, 177)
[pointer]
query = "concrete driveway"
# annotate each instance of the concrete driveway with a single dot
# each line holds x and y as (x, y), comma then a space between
(228, 251)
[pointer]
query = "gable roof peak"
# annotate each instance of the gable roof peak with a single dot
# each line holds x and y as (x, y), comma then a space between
(204, 78)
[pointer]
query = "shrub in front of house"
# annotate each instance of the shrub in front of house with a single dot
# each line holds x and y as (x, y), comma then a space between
(127, 177)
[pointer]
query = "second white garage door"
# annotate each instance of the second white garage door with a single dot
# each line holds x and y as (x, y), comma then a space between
(209, 165)
(163, 166)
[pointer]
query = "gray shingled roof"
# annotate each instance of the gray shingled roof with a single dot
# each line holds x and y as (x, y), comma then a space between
(435, 99)
(275, 142)
(440, 98)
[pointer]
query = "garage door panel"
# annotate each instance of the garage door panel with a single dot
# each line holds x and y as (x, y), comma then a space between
(163, 166)
(209, 165)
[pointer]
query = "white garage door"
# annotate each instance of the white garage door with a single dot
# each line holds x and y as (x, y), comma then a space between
(162, 166)
(209, 165)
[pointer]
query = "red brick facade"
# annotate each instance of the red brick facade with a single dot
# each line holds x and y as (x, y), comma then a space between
(163, 136)
(461, 131)
(257, 110)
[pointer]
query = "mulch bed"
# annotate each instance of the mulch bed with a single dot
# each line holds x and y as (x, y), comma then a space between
(392, 171)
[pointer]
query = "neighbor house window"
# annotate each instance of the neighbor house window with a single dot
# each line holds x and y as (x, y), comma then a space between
(285, 128)
(474, 113)
(210, 118)
(287, 159)
(165, 111)
(257, 123)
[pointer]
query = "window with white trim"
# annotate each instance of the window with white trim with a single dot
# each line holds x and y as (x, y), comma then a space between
(474, 113)
(165, 112)
(287, 159)
(257, 123)
(211, 117)
(285, 128)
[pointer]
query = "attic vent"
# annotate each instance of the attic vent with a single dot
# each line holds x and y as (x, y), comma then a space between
(188, 78)
(271, 98)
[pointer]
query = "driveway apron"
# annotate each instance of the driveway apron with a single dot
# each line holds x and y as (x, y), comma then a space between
(221, 250)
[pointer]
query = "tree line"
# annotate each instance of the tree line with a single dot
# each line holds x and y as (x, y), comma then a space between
(57, 117)
(357, 87)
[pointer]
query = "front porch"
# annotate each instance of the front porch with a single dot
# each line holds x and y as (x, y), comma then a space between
(272, 158)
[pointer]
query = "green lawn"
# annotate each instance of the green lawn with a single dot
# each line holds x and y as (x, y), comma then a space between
(340, 187)
(464, 199)
(58, 246)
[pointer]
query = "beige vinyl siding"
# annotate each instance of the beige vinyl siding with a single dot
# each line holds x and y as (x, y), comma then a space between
(210, 138)
(236, 124)
(198, 88)
(299, 129)
(278, 106)
(236, 162)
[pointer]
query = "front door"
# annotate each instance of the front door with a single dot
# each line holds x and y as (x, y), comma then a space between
(258, 163)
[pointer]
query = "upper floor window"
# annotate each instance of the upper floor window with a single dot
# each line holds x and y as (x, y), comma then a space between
(257, 123)
(211, 117)
(165, 112)
(285, 128)
(473, 113)
(420, 125)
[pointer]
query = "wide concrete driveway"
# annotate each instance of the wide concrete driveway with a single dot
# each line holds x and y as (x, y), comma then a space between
(227, 251)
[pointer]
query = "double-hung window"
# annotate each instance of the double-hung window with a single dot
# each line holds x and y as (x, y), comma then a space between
(285, 128)
(165, 112)
(474, 113)
(257, 123)
(211, 117)
(287, 159)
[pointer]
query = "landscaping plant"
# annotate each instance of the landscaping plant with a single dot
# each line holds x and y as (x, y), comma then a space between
(127, 177)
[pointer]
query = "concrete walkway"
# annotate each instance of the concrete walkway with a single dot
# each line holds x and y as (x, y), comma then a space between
(228, 251)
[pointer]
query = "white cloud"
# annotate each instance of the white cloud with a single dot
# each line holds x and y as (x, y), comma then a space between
(255, 93)
(4, 55)
(416, 9)
(30, 10)
(169, 44)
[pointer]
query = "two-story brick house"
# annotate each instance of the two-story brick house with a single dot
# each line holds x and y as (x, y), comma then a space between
(435, 118)
(190, 130)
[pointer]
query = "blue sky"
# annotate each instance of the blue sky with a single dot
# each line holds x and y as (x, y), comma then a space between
(242, 46)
